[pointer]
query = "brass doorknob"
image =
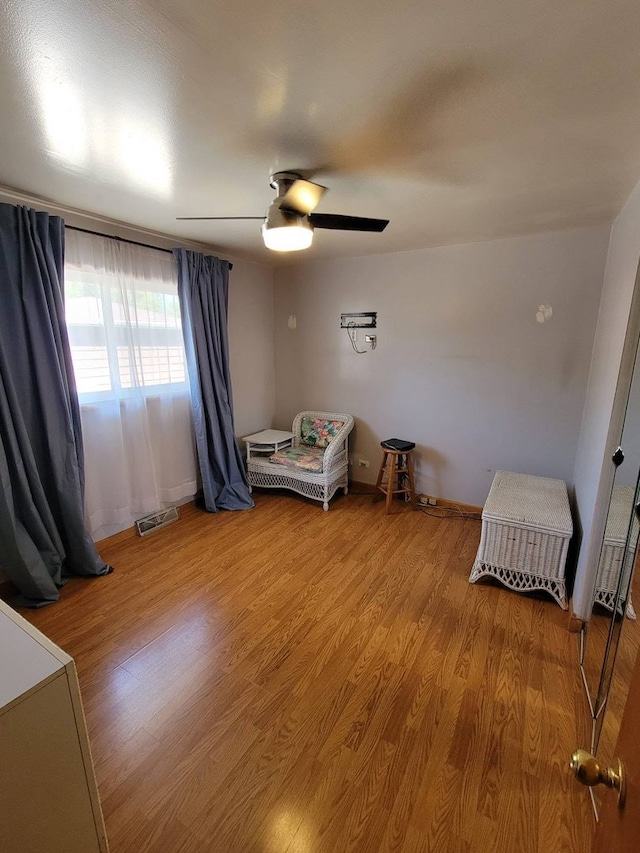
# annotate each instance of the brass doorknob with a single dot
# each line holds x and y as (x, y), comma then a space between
(588, 770)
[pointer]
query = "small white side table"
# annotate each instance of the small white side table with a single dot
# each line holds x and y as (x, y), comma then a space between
(263, 443)
(267, 441)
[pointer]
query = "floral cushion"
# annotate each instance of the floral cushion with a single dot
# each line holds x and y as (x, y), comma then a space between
(316, 432)
(307, 458)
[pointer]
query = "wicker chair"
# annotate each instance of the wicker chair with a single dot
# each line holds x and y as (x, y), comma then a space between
(317, 463)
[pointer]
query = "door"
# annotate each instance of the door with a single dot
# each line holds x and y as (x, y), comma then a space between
(619, 829)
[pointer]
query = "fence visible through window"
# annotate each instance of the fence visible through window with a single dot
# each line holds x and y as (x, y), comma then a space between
(123, 337)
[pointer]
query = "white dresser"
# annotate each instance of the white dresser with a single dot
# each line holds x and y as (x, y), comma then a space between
(48, 794)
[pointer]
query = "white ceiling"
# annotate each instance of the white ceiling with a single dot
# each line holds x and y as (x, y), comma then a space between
(458, 121)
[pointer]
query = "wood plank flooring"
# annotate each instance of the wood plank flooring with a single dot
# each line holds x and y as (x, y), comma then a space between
(287, 680)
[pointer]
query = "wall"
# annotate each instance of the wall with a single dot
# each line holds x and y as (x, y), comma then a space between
(613, 356)
(462, 367)
(251, 346)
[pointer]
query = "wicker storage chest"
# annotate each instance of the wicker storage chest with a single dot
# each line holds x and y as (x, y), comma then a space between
(526, 528)
(613, 548)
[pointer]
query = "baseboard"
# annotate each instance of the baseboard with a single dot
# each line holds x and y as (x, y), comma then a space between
(447, 504)
(359, 488)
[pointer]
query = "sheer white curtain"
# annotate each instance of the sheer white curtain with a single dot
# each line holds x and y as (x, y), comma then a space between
(123, 318)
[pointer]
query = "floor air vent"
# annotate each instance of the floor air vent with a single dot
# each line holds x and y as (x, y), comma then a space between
(157, 519)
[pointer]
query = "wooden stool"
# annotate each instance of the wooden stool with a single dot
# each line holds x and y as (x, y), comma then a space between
(399, 462)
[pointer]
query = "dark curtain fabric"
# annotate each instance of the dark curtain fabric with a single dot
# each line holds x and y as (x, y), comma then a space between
(203, 288)
(42, 535)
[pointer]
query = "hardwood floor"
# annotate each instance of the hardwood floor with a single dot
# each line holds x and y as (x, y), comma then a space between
(287, 680)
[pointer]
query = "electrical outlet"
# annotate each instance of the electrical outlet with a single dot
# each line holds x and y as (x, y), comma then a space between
(363, 463)
(427, 500)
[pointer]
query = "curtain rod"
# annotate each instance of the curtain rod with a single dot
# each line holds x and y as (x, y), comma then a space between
(124, 240)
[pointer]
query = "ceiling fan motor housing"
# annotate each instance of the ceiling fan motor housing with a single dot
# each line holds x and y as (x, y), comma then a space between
(281, 181)
(278, 217)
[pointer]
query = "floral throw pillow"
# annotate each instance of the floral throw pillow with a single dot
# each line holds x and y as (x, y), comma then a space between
(316, 432)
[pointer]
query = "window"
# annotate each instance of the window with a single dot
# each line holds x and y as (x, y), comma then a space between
(124, 325)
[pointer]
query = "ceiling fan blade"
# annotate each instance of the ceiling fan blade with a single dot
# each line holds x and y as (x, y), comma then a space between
(302, 196)
(347, 223)
(219, 217)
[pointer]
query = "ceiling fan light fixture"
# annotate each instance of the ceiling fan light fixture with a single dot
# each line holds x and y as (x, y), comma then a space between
(284, 231)
(287, 238)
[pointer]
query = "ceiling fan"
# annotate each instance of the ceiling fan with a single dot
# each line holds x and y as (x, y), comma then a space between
(289, 221)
